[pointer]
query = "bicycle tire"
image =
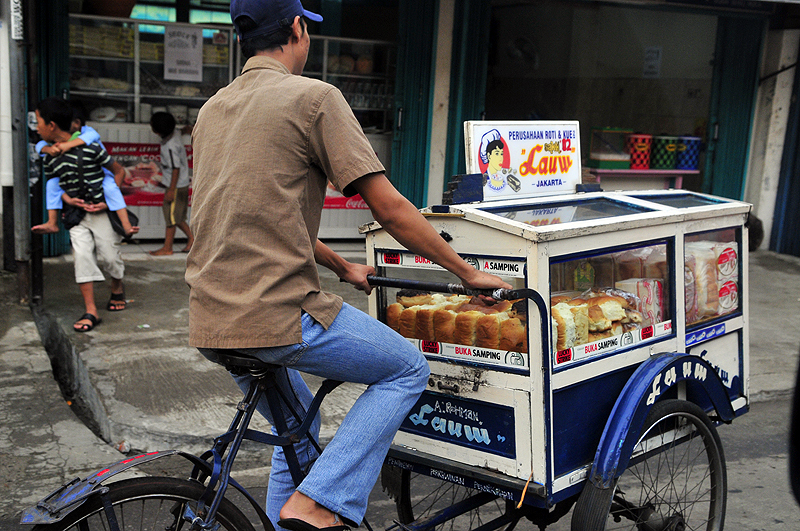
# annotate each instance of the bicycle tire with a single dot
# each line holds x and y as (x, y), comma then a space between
(148, 503)
(681, 479)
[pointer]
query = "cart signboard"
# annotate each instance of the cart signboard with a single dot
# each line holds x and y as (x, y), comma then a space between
(524, 159)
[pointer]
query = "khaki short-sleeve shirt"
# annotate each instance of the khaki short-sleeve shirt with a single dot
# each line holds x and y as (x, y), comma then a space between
(264, 148)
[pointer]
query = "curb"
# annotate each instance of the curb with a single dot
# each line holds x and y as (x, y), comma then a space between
(71, 375)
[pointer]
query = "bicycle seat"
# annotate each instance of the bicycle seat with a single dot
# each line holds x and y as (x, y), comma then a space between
(236, 361)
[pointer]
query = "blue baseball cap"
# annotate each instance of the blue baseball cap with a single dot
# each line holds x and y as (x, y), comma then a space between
(269, 15)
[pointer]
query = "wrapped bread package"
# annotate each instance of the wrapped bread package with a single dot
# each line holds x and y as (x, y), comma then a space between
(655, 264)
(690, 290)
(728, 296)
(726, 257)
(703, 263)
(649, 291)
(711, 279)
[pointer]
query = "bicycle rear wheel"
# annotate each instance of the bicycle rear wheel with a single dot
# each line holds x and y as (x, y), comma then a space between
(676, 478)
(433, 495)
(147, 504)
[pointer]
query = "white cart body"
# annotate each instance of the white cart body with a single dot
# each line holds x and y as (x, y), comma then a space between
(491, 419)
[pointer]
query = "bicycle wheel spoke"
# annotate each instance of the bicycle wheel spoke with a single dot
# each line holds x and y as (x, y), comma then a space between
(676, 476)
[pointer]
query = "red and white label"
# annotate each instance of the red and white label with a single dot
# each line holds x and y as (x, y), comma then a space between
(728, 296)
(727, 262)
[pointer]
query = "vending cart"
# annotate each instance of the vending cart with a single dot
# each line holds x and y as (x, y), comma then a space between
(623, 344)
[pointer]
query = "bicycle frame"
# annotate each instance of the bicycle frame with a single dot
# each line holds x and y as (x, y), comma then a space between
(214, 465)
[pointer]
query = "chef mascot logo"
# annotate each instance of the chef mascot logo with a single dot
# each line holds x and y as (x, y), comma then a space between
(495, 163)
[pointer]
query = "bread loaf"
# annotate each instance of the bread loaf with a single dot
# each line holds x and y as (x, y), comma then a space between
(611, 306)
(487, 330)
(444, 325)
(393, 316)
(513, 335)
(466, 327)
(407, 323)
(565, 335)
(598, 322)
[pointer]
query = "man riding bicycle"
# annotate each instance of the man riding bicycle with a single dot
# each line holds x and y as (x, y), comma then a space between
(264, 150)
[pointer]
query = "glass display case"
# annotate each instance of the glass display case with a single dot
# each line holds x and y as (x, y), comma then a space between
(363, 70)
(117, 71)
(117, 68)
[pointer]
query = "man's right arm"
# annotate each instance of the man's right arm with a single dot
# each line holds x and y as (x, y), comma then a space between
(403, 221)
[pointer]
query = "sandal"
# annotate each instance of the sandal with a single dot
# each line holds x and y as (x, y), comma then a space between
(117, 302)
(295, 524)
(83, 327)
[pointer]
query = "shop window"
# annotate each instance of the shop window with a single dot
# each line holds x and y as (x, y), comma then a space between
(607, 66)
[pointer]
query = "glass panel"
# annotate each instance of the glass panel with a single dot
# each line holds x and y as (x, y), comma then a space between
(456, 327)
(680, 200)
(607, 301)
(604, 65)
(711, 275)
(181, 98)
(101, 67)
(364, 71)
(567, 211)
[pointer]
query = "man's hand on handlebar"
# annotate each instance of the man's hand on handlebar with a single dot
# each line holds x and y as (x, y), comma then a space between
(481, 280)
(356, 275)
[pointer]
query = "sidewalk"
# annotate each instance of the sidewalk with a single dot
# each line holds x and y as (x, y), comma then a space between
(156, 390)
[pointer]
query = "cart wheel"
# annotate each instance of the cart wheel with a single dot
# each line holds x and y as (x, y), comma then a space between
(675, 479)
(419, 497)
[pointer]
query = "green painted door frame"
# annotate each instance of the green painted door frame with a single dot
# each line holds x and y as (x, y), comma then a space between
(52, 54)
(733, 96)
(413, 98)
(467, 78)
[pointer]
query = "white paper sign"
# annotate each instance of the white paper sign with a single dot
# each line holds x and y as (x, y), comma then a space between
(183, 53)
(652, 62)
(524, 159)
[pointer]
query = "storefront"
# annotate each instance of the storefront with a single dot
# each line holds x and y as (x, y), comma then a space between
(126, 65)
(415, 70)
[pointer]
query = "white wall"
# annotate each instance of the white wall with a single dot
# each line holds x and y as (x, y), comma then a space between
(769, 128)
(441, 103)
(6, 142)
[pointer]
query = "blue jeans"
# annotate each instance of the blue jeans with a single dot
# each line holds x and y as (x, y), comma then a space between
(356, 348)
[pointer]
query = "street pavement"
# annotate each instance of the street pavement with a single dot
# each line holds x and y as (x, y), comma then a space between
(154, 392)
